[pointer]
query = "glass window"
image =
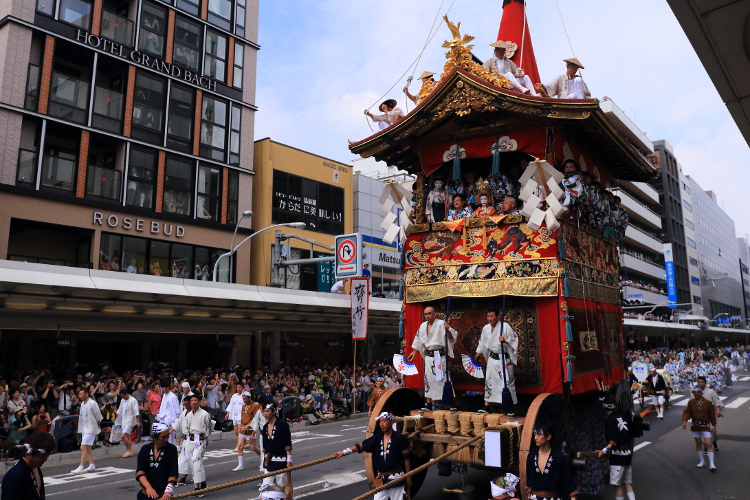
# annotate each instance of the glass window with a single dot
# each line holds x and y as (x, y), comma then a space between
(298, 199)
(695, 280)
(220, 13)
(214, 64)
(213, 128)
(233, 196)
(148, 108)
(59, 169)
(689, 224)
(141, 177)
(693, 261)
(159, 258)
(153, 28)
(209, 193)
(76, 12)
(190, 6)
(187, 43)
(234, 137)
(178, 186)
(109, 254)
(691, 243)
(182, 261)
(134, 257)
(687, 206)
(239, 26)
(696, 299)
(239, 63)
(180, 125)
(46, 7)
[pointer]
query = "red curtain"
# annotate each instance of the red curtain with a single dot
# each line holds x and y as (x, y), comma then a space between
(548, 313)
(532, 141)
(412, 320)
(563, 149)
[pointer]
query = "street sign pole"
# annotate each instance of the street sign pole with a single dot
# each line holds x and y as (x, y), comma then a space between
(348, 249)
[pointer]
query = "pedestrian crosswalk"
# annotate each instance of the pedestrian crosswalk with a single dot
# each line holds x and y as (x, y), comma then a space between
(743, 379)
(737, 403)
(683, 400)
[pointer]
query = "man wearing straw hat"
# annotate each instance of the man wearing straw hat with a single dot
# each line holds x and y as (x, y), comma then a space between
(501, 65)
(567, 86)
(390, 457)
(428, 84)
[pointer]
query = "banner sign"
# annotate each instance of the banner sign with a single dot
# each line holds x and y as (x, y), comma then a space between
(640, 370)
(360, 294)
(671, 283)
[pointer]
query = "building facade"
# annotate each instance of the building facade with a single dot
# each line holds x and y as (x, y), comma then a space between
(691, 247)
(743, 249)
(718, 256)
(670, 209)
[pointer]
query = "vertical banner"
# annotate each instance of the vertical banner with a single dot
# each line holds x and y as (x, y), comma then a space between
(360, 294)
(671, 283)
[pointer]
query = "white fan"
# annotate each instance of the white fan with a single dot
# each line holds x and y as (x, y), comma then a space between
(472, 368)
(541, 171)
(403, 366)
(395, 194)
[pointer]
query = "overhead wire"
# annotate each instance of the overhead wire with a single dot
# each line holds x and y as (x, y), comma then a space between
(564, 28)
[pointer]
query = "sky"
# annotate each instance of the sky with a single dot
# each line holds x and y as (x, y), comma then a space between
(323, 62)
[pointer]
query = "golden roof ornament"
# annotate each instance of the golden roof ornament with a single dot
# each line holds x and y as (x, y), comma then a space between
(456, 41)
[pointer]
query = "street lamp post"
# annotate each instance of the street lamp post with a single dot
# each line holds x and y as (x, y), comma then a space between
(233, 250)
(245, 215)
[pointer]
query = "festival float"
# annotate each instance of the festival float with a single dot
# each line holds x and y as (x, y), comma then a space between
(557, 275)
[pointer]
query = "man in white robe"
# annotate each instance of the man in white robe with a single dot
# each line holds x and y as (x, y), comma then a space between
(431, 342)
(493, 343)
(169, 409)
(567, 86)
(501, 65)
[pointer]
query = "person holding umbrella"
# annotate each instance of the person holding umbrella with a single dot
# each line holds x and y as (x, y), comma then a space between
(498, 345)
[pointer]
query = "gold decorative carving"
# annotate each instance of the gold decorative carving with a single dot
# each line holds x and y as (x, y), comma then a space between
(463, 101)
(569, 114)
(521, 108)
(421, 199)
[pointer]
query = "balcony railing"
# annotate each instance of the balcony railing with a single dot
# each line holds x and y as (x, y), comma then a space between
(31, 102)
(639, 257)
(104, 183)
(27, 165)
(107, 109)
(58, 173)
(117, 28)
(68, 97)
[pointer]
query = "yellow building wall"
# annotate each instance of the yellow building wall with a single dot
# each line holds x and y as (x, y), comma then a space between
(270, 155)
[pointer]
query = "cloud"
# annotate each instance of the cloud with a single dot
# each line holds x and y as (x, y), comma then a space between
(323, 62)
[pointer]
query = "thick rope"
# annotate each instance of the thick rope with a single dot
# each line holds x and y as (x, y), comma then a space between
(564, 28)
(419, 469)
(251, 479)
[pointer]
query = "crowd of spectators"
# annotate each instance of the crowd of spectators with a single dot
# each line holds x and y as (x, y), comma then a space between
(34, 401)
(643, 286)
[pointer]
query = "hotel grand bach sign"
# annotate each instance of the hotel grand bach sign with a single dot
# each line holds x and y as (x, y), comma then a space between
(146, 60)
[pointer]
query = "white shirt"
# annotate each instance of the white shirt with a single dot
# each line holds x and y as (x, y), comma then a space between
(338, 287)
(235, 407)
(169, 409)
(435, 340)
(488, 341)
(387, 119)
(89, 418)
(128, 411)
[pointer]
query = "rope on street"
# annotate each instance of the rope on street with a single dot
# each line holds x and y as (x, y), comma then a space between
(417, 470)
(251, 479)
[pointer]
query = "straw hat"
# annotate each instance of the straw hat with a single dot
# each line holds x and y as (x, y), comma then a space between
(426, 74)
(500, 44)
(574, 62)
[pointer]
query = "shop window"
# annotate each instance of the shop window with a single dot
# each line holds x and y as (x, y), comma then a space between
(153, 29)
(181, 262)
(214, 64)
(158, 261)
(187, 42)
(239, 63)
(239, 25)
(109, 255)
(148, 108)
(213, 128)
(178, 186)
(134, 256)
(141, 177)
(234, 136)
(385, 281)
(233, 196)
(220, 13)
(209, 193)
(180, 124)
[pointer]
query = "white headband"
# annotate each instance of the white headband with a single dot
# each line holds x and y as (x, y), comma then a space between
(31, 449)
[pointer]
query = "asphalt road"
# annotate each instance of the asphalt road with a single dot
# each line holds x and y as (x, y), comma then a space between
(664, 464)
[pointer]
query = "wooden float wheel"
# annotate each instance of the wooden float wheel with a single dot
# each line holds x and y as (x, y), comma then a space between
(398, 401)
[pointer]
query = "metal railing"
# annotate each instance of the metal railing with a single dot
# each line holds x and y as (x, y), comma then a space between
(104, 183)
(27, 165)
(631, 254)
(108, 109)
(647, 233)
(50, 261)
(621, 193)
(117, 28)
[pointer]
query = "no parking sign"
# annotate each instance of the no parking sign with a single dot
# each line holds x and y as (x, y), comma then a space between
(348, 255)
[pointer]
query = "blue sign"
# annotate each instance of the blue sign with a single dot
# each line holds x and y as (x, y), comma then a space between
(671, 282)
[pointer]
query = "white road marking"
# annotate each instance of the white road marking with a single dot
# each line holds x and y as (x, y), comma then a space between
(219, 453)
(641, 445)
(306, 435)
(676, 397)
(743, 379)
(98, 473)
(737, 403)
(333, 481)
